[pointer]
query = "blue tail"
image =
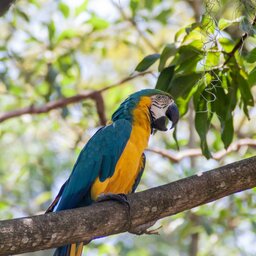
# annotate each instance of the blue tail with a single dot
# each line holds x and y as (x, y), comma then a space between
(69, 250)
(62, 251)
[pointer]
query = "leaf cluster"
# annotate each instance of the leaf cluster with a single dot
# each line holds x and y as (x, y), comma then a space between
(201, 65)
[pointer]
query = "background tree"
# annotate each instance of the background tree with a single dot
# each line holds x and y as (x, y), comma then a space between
(204, 54)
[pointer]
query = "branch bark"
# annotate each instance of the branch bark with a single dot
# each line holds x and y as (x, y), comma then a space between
(106, 218)
(60, 103)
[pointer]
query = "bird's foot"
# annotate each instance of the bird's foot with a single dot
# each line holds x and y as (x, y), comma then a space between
(143, 229)
(121, 198)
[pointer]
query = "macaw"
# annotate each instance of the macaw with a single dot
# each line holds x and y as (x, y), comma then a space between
(113, 160)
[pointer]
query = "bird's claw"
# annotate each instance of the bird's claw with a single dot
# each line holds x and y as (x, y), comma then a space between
(121, 198)
(143, 229)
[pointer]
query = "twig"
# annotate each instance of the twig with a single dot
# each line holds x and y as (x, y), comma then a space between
(60, 103)
(195, 152)
(238, 45)
(100, 106)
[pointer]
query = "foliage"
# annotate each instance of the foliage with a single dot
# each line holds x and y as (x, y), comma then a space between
(55, 49)
(202, 65)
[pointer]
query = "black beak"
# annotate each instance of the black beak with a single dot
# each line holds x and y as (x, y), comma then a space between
(173, 114)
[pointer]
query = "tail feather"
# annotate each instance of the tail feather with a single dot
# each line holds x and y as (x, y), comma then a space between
(69, 250)
(62, 251)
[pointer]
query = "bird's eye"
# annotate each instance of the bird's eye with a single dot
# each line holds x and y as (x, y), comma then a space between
(159, 97)
(162, 99)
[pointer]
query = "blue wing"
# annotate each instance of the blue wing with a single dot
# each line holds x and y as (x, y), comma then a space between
(97, 159)
(141, 170)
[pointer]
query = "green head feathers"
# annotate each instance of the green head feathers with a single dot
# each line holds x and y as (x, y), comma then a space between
(126, 108)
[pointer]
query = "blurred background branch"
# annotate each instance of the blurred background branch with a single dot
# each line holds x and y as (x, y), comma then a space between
(95, 95)
(175, 156)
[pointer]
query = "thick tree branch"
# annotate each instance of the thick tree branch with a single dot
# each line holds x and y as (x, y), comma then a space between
(106, 218)
(176, 157)
(60, 103)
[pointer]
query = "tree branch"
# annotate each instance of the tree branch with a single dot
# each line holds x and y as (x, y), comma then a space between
(238, 45)
(106, 218)
(5, 5)
(60, 103)
(176, 157)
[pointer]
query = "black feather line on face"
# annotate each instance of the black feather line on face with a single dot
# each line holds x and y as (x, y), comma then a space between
(151, 115)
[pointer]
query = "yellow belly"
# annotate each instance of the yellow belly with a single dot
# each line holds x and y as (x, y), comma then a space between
(128, 166)
(126, 171)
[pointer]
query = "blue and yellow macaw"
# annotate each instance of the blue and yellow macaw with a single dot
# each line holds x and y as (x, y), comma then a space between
(112, 162)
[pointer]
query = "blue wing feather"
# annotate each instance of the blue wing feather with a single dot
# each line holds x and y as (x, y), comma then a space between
(142, 167)
(97, 159)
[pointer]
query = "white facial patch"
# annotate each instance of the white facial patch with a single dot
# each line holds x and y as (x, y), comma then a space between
(159, 105)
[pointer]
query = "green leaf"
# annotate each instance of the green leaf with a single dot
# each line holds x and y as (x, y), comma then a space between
(67, 34)
(165, 78)
(163, 16)
(147, 62)
(98, 23)
(224, 23)
(182, 89)
(212, 60)
(180, 86)
(244, 87)
(202, 119)
(168, 51)
(195, 38)
(187, 59)
(252, 77)
(134, 5)
(179, 33)
(81, 8)
(227, 132)
(64, 8)
(149, 4)
(186, 53)
(226, 43)
(51, 31)
(208, 24)
(251, 56)
(223, 105)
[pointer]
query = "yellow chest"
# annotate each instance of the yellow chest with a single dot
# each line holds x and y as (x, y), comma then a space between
(128, 165)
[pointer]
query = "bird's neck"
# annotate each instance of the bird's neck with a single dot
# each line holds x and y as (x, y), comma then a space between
(141, 127)
(136, 111)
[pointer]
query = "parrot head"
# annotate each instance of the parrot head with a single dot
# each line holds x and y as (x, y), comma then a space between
(162, 110)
